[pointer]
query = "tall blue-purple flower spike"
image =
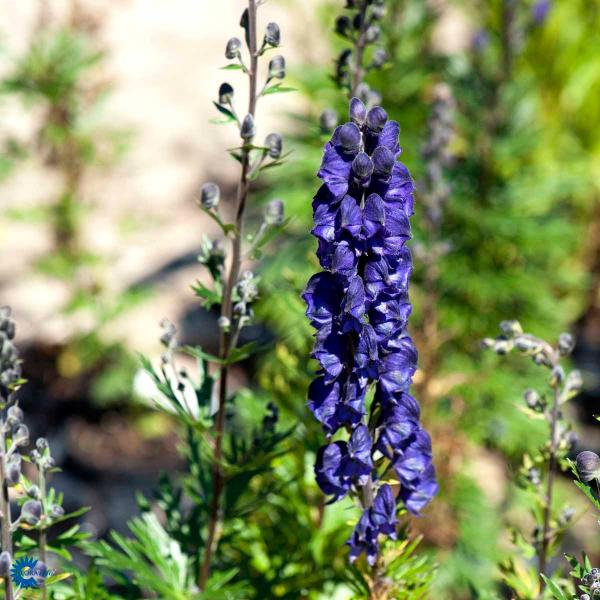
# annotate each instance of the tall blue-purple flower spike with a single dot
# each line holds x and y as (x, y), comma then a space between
(359, 306)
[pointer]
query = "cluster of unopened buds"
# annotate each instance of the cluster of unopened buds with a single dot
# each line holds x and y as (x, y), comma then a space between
(592, 581)
(38, 511)
(360, 27)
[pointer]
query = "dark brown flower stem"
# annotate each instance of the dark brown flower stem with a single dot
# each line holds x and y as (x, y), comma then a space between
(218, 479)
(359, 49)
(552, 465)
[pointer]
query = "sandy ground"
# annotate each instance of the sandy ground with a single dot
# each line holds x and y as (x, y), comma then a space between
(163, 62)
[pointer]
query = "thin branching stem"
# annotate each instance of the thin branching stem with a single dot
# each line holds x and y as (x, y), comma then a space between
(225, 342)
(552, 464)
(5, 516)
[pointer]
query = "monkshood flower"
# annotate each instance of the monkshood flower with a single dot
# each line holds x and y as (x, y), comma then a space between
(359, 306)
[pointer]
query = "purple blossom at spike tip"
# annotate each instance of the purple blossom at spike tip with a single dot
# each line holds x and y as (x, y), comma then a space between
(359, 307)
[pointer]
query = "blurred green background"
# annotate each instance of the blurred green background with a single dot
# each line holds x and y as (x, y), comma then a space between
(101, 158)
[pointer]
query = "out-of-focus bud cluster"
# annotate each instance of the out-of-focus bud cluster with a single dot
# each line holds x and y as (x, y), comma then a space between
(591, 581)
(10, 366)
(540, 351)
(360, 27)
(233, 51)
(437, 155)
(15, 438)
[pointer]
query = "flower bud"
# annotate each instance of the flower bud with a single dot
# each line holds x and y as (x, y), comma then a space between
(372, 34)
(40, 573)
(41, 444)
(584, 597)
(247, 288)
(541, 359)
(34, 492)
(210, 194)
(558, 376)
(376, 119)
(588, 466)
(223, 323)
(274, 143)
(275, 213)
(383, 161)
(247, 130)
(574, 382)
(534, 476)
(528, 344)
(225, 93)
(7, 325)
(328, 120)
(502, 346)
(380, 57)
(362, 166)
(358, 111)
(512, 328)
(167, 339)
(277, 67)
(349, 137)
(21, 435)
(47, 463)
(571, 439)
(232, 49)
(378, 12)
(488, 343)
(567, 514)
(343, 26)
(57, 511)
(357, 22)
(532, 399)
(272, 35)
(13, 471)
(5, 563)
(566, 343)
(31, 512)
(14, 415)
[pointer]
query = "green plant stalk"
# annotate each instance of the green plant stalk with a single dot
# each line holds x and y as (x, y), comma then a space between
(43, 537)
(5, 516)
(225, 342)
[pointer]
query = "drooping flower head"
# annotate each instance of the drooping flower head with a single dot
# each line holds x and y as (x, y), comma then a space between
(359, 306)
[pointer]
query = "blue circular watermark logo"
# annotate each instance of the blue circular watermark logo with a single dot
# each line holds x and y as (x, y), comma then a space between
(28, 573)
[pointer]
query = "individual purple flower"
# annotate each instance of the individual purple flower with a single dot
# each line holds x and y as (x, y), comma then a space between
(359, 306)
(380, 518)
